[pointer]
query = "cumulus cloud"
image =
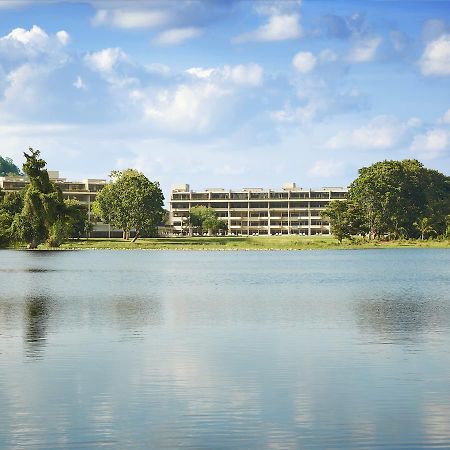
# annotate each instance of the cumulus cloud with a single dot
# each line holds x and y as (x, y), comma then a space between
(381, 133)
(189, 108)
(435, 59)
(282, 23)
(242, 74)
(278, 28)
(105, 60)
(304, 62)
(63, 37)
(364, 50)
(22, 45)
(326, 168)
(431, 144)
(177, 35)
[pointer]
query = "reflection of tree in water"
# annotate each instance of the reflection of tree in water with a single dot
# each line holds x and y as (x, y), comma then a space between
(36, 316)
(134, 313)
(401, 317)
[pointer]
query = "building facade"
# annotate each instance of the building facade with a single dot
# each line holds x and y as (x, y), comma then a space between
(256, 211)
(84, 191)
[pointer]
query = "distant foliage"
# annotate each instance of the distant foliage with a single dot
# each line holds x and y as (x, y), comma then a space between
(7, 167)
(204, 219)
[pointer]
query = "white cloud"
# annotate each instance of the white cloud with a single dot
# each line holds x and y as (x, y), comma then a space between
(131, 18)
(326, 168)
(435, 59)
(63, 37)
(200, 72)
(431, 144)
(189, 108)
(79, 83)
(304, 62)
(105, 60)
(383, 132)
(242, 74)
(364, 50)
(29, 43)
(249, 74)
(34, 37)
(22, 45)
(445, 118)
(177, 35)
(278, 28)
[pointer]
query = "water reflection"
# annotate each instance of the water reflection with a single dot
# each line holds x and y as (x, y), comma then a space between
(402, 317)
(212, 350)
(37, 311)
(132, 314)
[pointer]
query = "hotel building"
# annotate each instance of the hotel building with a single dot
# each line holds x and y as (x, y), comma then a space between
(256, 211)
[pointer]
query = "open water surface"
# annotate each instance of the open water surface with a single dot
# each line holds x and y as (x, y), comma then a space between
(225, 350)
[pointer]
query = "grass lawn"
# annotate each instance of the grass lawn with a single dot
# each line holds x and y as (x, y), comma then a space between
(247, 243)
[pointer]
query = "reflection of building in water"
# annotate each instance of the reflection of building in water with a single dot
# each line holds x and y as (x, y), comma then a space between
(36, 315)
(256, 211)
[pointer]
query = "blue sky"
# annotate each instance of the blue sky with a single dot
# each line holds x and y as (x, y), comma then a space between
(226, 93)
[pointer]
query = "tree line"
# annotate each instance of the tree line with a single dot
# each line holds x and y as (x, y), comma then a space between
(393, 200)
(39, 214)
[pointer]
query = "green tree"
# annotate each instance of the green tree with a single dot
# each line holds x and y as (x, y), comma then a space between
(130, 202)
(11, 204)
(389, 196)
(43, 207)
(78, 218)
(205, 219)
(6, 220)
(7, 167)
(337, 213)
(424, 227)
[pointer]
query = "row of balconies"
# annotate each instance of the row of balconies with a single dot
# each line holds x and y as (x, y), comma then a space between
(253, 196)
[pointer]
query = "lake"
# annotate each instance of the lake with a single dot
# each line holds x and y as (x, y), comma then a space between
(225, 350)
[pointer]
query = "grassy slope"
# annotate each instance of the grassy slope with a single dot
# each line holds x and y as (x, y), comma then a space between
(245, 243)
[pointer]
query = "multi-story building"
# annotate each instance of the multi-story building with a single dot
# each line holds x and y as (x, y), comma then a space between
(84, 191)
(256, 211)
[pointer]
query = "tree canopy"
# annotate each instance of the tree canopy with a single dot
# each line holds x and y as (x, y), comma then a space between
(131, 202)
(394, 199)
(7, 167)
(38, 213)
(205, 219)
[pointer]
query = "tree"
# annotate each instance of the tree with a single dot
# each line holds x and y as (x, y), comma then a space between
(423, 225)
(77, 218)
(390, 196)
(337, 213)
(43, 206)
(205, 219)
(130, 202)
(7, 167)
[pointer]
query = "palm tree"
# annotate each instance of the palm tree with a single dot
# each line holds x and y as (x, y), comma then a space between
(424, 227)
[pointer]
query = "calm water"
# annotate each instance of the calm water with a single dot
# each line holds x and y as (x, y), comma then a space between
(225, 350)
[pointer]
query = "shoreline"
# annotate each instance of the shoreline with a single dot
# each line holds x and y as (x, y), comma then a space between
(252, 243)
